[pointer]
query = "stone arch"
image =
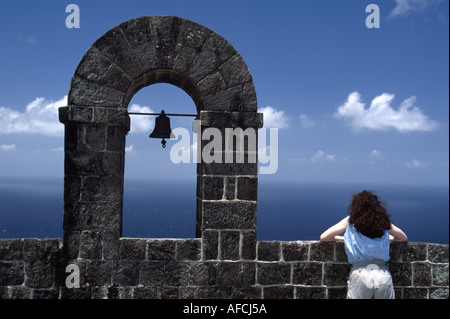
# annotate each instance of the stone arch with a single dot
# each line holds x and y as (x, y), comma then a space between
(132, 55)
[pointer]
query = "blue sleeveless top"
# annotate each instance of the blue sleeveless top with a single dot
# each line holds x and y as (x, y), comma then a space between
(359, 247)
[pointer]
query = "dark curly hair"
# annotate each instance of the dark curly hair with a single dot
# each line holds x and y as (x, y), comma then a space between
(369, 215)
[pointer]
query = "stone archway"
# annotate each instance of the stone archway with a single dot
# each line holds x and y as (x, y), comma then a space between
(135, 54)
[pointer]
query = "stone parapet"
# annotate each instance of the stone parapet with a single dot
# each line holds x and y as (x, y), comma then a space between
(188, 268)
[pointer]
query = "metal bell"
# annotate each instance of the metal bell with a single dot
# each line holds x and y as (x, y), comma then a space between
(162, 129)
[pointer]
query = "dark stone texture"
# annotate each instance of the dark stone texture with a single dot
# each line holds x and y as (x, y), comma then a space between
(269, 251)
(229, 215)
(273, 273)
(307, 274)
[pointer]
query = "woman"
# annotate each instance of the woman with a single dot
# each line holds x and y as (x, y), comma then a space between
(368, 232)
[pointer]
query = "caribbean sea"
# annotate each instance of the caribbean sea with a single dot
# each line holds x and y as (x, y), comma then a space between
(33, 208)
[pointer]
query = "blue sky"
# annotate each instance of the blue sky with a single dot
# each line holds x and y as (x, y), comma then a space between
(352, 104)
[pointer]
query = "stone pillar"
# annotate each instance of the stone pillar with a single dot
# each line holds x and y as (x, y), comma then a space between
(93, 182)
(227, 185)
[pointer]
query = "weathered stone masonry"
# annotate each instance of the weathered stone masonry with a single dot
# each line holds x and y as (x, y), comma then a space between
(225, 260)
(180, 268)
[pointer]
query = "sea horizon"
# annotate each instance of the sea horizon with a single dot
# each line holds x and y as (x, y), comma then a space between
(286, 211)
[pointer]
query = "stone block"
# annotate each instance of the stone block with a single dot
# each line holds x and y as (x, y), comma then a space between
(92, 216)
(11, 273)
(11, 249)
(247, 188)
(93, 163)
(102, 188)
(279, 292)
(86, 93)
(72, 188)
(99, 272)
(229, 188)
(152, 274)
(307, 273)
(229, 119)
(93, 65)
(45, 294)
(210, 240)
(165, 33)
(415, 293)
(337, 293)
(49, 249)
(336, 274)
(137, 31)
(249, 245)
(229, 215)
(269, 250)
(215, 51)
(227, 169)
(132, 248)
(111, 244)
(398, 251)
(115, 138)
(440, 275)
(422, 274)
(321, 251)
(240, 98)
(235, 71)
(340, 254)
(126, 273)
(310, 293)
(416, 252)
(188, 249)
(295, 251)
(230, 247)
(91, 245)
(176, 273)
(145, 293)
(114, 46)
(438, 253)
(273, 273)
(203, 274)
(211, 187)
(439, 293)
(71, 244)
(161, 250)
(401, 273)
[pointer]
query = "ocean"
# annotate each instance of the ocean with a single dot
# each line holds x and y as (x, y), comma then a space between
(33, 208)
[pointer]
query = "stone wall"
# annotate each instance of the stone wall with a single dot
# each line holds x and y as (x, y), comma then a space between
(189, 269)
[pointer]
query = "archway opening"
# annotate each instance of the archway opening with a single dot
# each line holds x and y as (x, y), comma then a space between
(159, 190)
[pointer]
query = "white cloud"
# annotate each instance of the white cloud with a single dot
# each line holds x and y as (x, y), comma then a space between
(381, 116)
(141, 123)
(129, 149)
(306, 121)
(404, 7)
(39, 117)
(8, 148)
(415, 164)
(376, 155)
(322, 156)
(274, 118)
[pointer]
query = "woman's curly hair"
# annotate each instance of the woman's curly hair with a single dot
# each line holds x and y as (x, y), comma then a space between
(369, 215)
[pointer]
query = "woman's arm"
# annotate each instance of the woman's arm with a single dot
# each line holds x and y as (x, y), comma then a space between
(396, 234)
(332, 233)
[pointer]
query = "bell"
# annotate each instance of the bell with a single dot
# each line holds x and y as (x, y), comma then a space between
(162, 128)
